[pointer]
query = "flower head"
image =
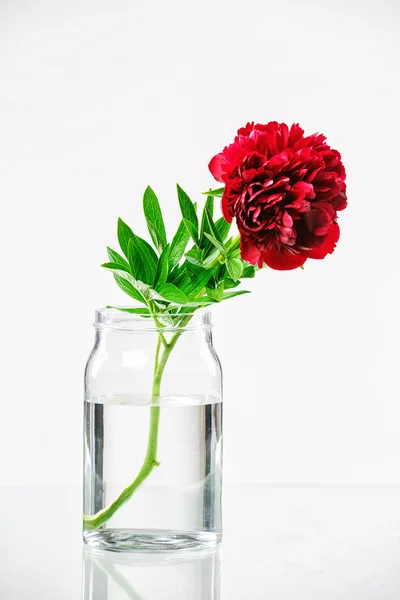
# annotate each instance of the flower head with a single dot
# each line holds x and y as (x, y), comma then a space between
(284, 190)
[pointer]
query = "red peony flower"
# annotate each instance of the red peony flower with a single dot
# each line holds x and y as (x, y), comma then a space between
(284, 190)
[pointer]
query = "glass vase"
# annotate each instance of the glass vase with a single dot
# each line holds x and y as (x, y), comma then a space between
(152, 434)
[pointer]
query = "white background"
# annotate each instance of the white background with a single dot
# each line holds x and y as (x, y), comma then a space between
(98, 99)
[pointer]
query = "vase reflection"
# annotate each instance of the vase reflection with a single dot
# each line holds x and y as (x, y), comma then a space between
(112, 576)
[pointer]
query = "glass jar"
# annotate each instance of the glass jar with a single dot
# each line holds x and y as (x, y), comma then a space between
(152, 434)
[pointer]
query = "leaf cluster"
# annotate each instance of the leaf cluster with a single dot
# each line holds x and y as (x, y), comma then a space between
(200, 266)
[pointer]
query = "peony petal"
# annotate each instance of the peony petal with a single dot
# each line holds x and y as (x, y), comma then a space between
(313, 174)
(245, 131)
(284, 135)
(271, 184)
(305, 187)
(340, 202)
(287, 220)
(272, 127)
(296, 133)
(319, 218)
(234, 153)
(249, 251)
(278, 161)
(283, 260)
(260, 139)
(215, 166)
(225, 208)
(329, 244)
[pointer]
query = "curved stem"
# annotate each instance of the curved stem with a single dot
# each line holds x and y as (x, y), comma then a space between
(150, 460)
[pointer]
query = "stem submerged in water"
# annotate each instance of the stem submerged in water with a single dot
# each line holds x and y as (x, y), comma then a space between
(150, 460)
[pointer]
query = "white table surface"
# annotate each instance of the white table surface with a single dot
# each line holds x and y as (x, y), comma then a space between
(280, 543)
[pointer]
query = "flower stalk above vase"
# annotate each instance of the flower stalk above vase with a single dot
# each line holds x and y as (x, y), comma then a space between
(283, 190)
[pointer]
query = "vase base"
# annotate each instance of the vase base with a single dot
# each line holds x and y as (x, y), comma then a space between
(157, 541)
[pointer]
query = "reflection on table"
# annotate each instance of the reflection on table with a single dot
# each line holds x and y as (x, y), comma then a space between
(114, 576)
(307, 543)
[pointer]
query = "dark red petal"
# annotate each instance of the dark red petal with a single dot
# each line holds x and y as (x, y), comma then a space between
(283, 260)
(319, 218)
(340, 202)
(215, 166)
(305, 187)
(225, 208)
(249, 251)
(329, 244)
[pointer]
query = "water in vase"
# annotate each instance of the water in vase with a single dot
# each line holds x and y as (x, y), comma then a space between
(177, 505)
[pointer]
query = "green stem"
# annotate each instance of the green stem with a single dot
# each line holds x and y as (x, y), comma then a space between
(150, 460)
(159, 326)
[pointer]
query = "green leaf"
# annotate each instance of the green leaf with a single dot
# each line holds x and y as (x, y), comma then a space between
(155, 222)
(207, 210)
(193, 269)
(234, 267)
(235, 246)
(218, 193)
(193, 232)
(116, 258)
(171, 293)
(136, 261)
(233, 294)
(248, 272)
(132, 311)
(194, 256)
(195, 304)
(128, 288)
(189, 214)
(141, 291)
(213, 229)
(223, 227)
(142, 259)
(208, 229)
(216, 243)
(125, 233)
(178, 275)
(212, 255)
(178, 245)
(162, 267)
(111, 266)
(216, 293)
(229, 284)
(226, 296)
(209, 205)
(194, 286)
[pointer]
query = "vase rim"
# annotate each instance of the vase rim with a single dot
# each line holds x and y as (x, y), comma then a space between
(119, 318)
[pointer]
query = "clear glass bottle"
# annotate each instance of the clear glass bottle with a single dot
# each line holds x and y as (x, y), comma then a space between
(152, 434)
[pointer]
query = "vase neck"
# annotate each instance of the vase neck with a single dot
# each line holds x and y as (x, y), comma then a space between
(120, 319)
